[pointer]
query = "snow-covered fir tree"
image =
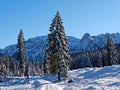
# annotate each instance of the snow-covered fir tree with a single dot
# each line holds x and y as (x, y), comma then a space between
(21, 54)
(47, 61)
(62, 65)
(88, 61)
(4, 67)
(13, 67)
(27, 67)
(31, 67)
(104, 57)
(7, 64)
(99, 58)
(57, 52)
(112, 53)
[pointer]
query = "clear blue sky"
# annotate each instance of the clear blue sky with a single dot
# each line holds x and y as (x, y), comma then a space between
(79, 17)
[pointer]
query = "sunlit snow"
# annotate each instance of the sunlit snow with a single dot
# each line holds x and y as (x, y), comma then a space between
(107, 78)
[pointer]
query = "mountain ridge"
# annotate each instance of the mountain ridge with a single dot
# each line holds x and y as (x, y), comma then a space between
(35, 47)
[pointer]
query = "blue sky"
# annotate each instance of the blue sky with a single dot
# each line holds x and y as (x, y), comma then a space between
(79, 17)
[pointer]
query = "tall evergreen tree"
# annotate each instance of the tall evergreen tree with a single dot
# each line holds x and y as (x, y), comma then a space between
(21, 54)
(3, 67)
(13, 66)
(47, 61)
(104, 58)
(57, 51)
(112, 54)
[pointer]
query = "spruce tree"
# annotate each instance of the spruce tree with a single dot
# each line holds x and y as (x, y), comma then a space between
(21, 54)
(13, 66)
(2, 68)
(112, 54)
(57, 52)
(47, 61)
(104, 58)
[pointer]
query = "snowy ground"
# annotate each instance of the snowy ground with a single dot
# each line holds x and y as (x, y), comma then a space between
(107, 78)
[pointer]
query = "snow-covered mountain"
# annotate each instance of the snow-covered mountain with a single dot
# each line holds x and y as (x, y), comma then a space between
(105, 78)
(35, 46)
(95, 42)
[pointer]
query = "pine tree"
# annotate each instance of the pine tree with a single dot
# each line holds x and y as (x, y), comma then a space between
(2, 68)
(87, 60)
(57, 52)
(21, 54)
(5, 63)
(112, 54)
(99, 58)
(62, 65)
(13, 66)
(47, 61)
(27, 69)
(104, 57)
(41, 68)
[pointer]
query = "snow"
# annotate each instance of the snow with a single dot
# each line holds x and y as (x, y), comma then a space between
(106, 78)
(51, 87)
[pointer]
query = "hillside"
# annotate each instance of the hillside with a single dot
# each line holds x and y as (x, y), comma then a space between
(35, 47)
(107, 78)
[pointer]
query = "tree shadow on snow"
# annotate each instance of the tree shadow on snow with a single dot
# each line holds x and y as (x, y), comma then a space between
(89, 88)
(114, 84)
(100, 73)
(15, 81)
(36, 84)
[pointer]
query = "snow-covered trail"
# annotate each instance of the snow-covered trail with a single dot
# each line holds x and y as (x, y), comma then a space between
(107, 78)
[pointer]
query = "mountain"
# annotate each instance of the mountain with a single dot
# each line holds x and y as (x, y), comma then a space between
(105, 78)
(35, 46)
(88, 42)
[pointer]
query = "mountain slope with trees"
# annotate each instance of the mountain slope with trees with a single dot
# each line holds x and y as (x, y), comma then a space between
(35, 47)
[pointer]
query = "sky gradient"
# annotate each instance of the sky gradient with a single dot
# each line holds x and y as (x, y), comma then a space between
(79, 17)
